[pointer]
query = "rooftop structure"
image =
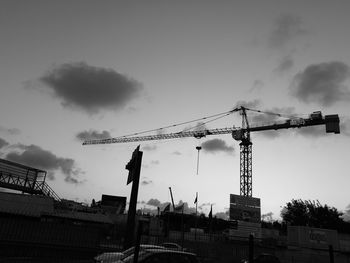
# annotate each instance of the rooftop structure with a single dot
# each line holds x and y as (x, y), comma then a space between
(26, 179)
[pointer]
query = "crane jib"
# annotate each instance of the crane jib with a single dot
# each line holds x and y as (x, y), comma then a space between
(331, 122)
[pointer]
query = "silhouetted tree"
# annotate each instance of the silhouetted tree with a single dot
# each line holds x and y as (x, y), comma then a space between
(311, 213)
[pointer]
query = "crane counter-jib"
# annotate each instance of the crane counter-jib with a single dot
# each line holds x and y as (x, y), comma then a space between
(330, 121)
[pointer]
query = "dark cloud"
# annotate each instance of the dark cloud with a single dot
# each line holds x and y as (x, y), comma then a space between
(11, 131)
(217, 145)
(93, 135)
(154, 202)
(254, 104)
(146, 182)
(149, 147)
(35, 156)
(3, 143)
(285, 64)
(322, 83)
(89, 88)
(286, 28)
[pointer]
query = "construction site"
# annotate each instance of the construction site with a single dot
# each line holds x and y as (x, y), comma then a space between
(39, 225)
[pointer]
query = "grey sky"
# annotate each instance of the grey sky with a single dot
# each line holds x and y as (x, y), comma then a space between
(88, 69)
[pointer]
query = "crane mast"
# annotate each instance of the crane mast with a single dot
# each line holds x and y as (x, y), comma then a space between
(246, 183)
(241, 134)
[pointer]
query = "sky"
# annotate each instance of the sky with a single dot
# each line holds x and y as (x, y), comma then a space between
(76, 70)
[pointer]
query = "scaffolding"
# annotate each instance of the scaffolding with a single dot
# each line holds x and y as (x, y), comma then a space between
(26, 179)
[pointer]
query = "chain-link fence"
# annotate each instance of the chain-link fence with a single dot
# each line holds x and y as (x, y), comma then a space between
(26, 239)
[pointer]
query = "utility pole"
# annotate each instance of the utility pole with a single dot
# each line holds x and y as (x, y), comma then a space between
(134, 167)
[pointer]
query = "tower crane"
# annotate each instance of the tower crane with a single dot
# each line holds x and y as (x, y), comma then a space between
(241, 134)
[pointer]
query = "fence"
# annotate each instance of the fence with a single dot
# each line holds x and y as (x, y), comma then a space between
(29, 239)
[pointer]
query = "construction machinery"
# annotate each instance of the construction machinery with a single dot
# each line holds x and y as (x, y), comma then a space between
(241, 134)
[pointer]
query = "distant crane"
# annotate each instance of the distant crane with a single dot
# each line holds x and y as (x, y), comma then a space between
(172, 199)
(241, 134)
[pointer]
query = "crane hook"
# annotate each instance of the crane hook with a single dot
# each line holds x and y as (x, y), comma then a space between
(198, 149)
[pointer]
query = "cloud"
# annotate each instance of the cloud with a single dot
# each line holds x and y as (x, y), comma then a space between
(248, 104)
(91, 89)
(217, 145)
(154, 202)
(177, 153)
(146, 182)
(270, 115)
(286, 28)
(11, 131)
(35, 156)
(93, 135)
(285, 65)
(149, 147)
(155, 162)
(3, 143)
(322, 83)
